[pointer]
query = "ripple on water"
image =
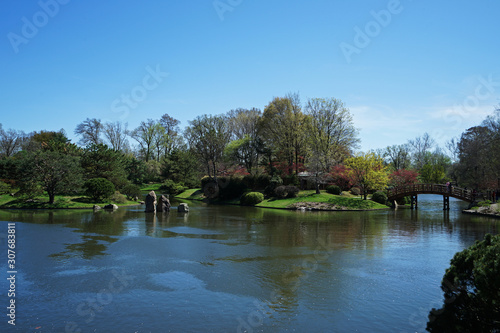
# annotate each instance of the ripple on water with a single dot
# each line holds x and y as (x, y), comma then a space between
(176, 280)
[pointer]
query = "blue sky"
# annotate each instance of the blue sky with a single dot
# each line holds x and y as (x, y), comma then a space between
(402, 67)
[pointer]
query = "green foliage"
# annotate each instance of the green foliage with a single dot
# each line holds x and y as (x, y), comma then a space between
(99, 161)
(273, 184)
(53, 171)
(231, 187)
(181, 166)
(334, 189)
(283, 192)
(171, 187)
(99, 189)
(471, 287)
(355, 191)
(4, 188)
(379, 197)
(485, 203)
(132, 191)
(432, 173)
(252, 198)
(368, 172)
(119, 198)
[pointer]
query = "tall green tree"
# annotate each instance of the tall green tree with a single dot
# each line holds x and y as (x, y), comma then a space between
(331, 134)
(282, 127)
(398, 156)
(100, 161)
(55, 171)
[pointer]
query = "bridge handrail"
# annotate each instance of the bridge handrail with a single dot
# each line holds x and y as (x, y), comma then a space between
(454, 191)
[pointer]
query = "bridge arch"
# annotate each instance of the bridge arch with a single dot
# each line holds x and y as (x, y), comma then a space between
(414, 190)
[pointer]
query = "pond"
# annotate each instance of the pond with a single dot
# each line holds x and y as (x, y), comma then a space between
(232, 269)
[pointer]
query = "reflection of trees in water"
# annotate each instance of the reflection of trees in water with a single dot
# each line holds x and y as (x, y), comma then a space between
(90, 247)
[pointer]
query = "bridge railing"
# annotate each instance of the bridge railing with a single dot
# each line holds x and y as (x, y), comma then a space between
(407, 190)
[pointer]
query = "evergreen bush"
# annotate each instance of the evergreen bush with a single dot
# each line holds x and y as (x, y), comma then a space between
(251, 198)
(379, 197)
(171, 187)
(334, 189)
(99, 189)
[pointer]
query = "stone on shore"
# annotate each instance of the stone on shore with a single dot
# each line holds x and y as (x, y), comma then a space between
(111, 207)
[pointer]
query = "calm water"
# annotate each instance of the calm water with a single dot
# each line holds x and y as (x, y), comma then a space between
(232, 269)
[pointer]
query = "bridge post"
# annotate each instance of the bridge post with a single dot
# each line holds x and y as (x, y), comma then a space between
(446, 202)
(414, 201)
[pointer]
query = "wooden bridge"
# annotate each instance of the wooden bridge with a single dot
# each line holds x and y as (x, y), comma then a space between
(414, 190)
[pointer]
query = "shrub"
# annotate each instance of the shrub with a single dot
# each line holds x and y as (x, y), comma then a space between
(171, 187)
(292, 191)
(355, 191)
(379, 197)
(4, 188)
(280, 192)
(485, 203)
(132, 191)
(334, 189)
(470, 286)
(273, 184)
(119, 198)
(231, 188)
(252, 198)
(291, 180)
(262, 181)
(99, 189)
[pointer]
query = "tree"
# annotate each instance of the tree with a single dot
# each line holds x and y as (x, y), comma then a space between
(99, 189)
(90, 130)
(471, 287)
(476, 168)
(10, 141)
(145, 135)
(55, 171)
(182, 165)
(420, 146)
(100, 161)
(368, 172)
(173, 140)
(208, 136)
(244, 149)
(403, 177)
(331, 134)
(116, 134)
(398, 156)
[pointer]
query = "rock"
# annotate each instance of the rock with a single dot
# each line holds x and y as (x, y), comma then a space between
(96, 207)
(183, 208)
(151, 202)
(111, 206)
(136, 198)
(141, 202)
(163, 204)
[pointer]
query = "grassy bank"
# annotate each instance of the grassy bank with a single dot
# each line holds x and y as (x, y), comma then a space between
(306, 199)
(60, 202)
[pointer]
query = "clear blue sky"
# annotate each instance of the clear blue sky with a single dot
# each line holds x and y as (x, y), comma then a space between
(401, 67)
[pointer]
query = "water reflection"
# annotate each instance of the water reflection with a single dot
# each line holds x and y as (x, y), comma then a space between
(217, 265)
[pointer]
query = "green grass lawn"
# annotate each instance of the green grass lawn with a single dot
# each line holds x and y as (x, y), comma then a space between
(310, 199)
(307, 198)
(191, 194)
(151, 187)
(66, 202)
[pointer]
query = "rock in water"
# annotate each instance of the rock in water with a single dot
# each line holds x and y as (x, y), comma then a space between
(163, 204)
(111, 206)
(151, 202)
(183, 208)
